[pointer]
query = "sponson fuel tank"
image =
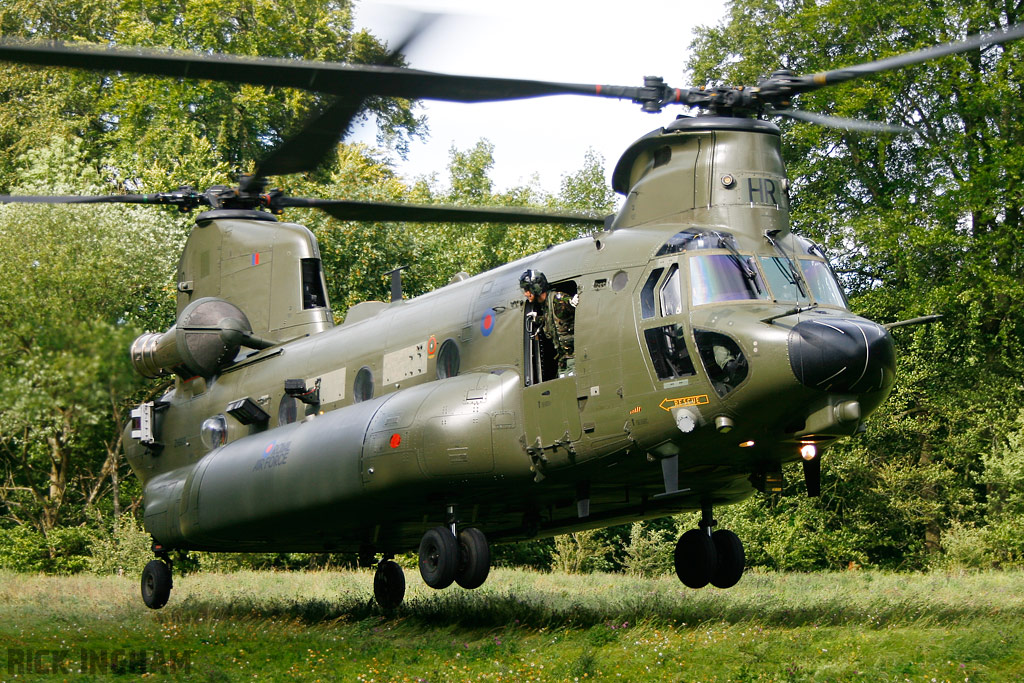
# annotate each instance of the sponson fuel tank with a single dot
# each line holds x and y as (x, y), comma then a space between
(304, 480)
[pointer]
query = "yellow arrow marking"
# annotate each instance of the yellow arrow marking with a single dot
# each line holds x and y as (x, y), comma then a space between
(670, 403)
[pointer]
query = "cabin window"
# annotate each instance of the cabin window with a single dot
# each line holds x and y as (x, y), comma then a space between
(448, 359)
(671, 295)
(647, 306)
(785, 283)
(724, 277)
(823, 285)
(362, 388)
(667, 347)
(693, 239)
(214, 432)
(287, 410)
(723, 360)
(312, 284)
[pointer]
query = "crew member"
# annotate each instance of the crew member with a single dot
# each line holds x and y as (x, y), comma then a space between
(556, 316)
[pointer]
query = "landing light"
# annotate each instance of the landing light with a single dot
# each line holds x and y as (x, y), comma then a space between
(809, 451)
(746, 444)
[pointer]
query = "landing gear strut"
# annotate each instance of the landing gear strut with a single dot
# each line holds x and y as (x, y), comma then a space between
(703, 557)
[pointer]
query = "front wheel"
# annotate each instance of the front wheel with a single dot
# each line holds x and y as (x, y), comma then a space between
(439, 556)
(695, 558)
(156, 584)
(731, 559)
(474, 559)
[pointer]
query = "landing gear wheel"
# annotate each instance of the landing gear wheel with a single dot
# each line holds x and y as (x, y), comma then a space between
(389, 584)
(474, 559)
(731, 559)
(156, 584)
(695, 558)
(439, 556)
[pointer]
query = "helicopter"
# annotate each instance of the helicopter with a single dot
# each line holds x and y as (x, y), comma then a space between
(711, 345)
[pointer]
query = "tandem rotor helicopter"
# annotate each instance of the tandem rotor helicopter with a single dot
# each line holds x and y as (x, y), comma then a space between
(709, 346)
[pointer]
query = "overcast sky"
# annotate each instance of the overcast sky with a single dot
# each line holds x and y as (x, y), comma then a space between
(560, 40)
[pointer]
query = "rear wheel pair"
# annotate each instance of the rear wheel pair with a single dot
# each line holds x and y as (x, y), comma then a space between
(445, 559)
(717, 559)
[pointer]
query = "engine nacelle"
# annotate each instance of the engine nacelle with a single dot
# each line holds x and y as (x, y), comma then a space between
(205, 339)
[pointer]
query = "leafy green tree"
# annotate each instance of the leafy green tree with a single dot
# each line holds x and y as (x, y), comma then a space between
(78, 286)
(919, 224)
(152, 128)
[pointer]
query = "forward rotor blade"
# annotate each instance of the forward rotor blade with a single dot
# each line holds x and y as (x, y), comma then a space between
(324, 77)
(818, 80)
(308, 148)
(349, 210)
(842, 122)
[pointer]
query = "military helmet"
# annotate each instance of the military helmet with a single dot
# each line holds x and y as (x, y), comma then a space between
(534, 281)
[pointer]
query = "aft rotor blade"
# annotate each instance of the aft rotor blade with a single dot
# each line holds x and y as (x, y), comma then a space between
(818, 80)
(324, 77)
(842, 122)
(349, 210)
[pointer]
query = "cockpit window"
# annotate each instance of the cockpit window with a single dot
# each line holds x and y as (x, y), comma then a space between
(724, 361)
(724, 277)
(671, 295)
(782, 280)
(647, 307)
(692, 239)
(667, 347)
(824, 287)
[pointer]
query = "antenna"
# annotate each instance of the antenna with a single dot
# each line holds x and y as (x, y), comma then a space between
(396, 283)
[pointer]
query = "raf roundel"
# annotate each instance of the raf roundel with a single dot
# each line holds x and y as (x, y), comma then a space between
(487, 322)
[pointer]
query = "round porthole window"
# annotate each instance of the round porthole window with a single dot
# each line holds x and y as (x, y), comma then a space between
(213, 432)
(448, 359)
(362, 390)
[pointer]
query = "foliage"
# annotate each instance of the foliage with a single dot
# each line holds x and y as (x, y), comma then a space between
(63, 550)
(193, 131)
(533, 554)
(919, 224)
(74, 294)
(580, 552)
(650, 551)
(121, 549)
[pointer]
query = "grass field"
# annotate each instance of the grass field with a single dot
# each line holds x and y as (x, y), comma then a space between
(520, 626)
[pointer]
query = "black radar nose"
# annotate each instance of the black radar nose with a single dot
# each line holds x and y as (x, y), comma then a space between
(844, 355)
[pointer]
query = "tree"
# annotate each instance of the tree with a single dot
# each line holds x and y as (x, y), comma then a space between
(78, 286)
(920, 224)
(193, 131)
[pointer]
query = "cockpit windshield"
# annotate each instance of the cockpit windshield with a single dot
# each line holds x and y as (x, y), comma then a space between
(724, 277)
(823, 285)
(785, 283)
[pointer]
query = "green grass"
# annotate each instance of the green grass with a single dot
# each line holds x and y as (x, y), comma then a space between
(524, 626)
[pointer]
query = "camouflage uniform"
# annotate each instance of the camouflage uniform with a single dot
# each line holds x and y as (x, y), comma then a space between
(558, 319)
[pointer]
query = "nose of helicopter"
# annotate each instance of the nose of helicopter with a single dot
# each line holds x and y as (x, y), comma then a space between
(842, 355)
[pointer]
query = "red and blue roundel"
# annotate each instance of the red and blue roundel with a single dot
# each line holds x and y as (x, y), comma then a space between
(487, 322)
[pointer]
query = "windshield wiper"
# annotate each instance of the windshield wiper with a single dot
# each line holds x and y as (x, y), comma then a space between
(741, 263)
(795, 277)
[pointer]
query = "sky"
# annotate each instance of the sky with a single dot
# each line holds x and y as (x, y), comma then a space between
(574, 41)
